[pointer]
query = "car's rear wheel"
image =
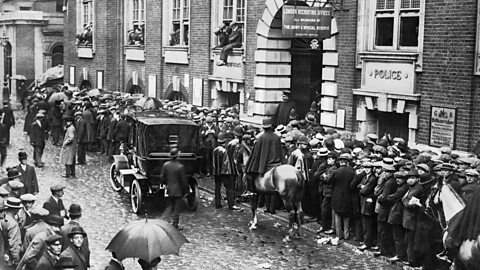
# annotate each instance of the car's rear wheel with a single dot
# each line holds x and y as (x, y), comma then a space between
(136, 197)
(114, 178)
(193, 198)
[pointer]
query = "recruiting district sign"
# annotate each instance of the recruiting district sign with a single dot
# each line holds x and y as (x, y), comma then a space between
(442, 126)
(306, 22)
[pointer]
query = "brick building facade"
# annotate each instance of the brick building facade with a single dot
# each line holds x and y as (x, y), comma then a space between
(32, 40)
(403, 67)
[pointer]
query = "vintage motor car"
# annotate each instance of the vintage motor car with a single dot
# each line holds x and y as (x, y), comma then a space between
(137, 169)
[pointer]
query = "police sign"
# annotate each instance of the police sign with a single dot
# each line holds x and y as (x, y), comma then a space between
(306, 22)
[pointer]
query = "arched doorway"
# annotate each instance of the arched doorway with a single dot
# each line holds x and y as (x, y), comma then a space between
(134, 88)
(57, 55)
(181, 94)
(85, 84)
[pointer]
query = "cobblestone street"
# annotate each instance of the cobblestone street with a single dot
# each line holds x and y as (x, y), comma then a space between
(219, 239)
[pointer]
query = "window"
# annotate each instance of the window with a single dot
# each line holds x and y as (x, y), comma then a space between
(232, 10)
(136, 23)
(397, 23)
(85, 37)
(180, 23)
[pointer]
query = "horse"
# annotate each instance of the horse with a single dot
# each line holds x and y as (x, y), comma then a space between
(288, 182)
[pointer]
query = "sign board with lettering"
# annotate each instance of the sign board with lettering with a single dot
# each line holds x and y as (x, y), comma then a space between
(306, 22)
(389, 77)
(234, 68)
(442, 126)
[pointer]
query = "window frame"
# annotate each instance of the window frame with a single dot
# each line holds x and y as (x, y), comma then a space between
(218, 18)
(132, 22)
(81, 20)
(397, 13)
(183, 21)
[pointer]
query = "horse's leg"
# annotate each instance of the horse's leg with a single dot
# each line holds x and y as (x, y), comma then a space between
(291, 219)
(299, 212)
(253, 206)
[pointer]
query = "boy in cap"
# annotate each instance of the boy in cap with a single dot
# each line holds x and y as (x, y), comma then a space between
(28, 176)
(52, 252)
(326, 185)
(37, 138)
(367, 205)
(395, 216)
(25, 218)
(54, 205)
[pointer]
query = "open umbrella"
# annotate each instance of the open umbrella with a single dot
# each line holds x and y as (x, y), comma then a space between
(146, 240)
(148, 103)
(57, 96)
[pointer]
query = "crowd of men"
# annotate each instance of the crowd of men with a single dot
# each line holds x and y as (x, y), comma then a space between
(377, 191)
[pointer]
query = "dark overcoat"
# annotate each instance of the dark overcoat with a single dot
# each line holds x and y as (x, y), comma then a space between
(409, 217)
(266, 153)
(81, 129)
(122, 131)
(173, 174)
(396, 212)
(79, 256)
(385, 205)
(46, 262)
(37, 134)
(282, 114)
(341, 195)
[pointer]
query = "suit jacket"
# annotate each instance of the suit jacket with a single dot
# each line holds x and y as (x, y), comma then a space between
(410, 212)
(122, 131)
(54, 208)
(385, 205)
(79, 256)
(66, 229)
(367, 199)
(341, 195)
(222, 164)
(29, 179)
(81, 128)
(46, 262)
(173, 174)
(37, 134)
(111, 129)
(9, 118)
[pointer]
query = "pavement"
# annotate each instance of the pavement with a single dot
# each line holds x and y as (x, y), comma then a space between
(219, 238)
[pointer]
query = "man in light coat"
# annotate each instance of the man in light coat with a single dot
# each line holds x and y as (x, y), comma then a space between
(69, 149)
(11, 229)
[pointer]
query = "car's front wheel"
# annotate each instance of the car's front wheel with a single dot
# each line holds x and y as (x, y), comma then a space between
(193, 198)
(114, 178)
(136, 197)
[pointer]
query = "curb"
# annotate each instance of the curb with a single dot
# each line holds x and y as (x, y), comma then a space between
(312, 231)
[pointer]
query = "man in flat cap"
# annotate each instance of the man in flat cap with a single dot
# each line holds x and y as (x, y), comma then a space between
(38, 244)
(37, 139)
(28, 176)
(25, 218)
(11, 230)
(51, 254)
(39, 224)
(54, 204)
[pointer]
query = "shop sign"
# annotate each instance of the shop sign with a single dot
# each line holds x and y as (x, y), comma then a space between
(306, 22)
(387, 77)
(442, 126)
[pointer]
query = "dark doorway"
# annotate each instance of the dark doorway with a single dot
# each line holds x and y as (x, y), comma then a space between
(174, 95)
(57, 55)
(395, 124)
(85, 84)
(306, 75)
(135, 89)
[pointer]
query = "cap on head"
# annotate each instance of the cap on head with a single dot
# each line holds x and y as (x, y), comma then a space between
(28, 197)
(15, 184)
(53, 239)
(57, 187)
(174, 152)
(267, 122)
(54, 220)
